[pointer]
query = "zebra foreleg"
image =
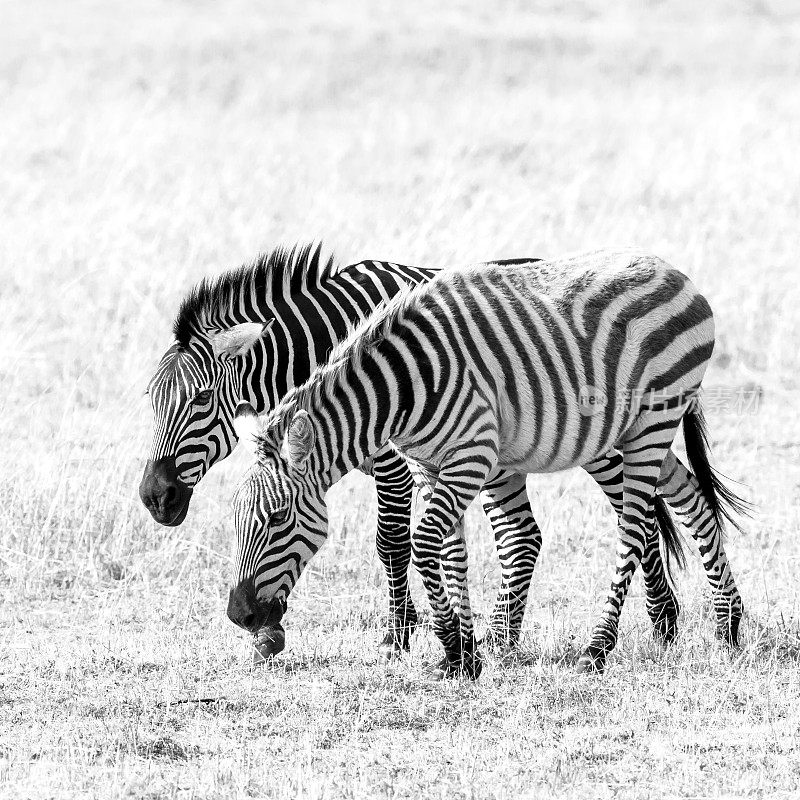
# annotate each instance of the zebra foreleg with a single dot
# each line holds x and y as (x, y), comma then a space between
(454, 568)
(643, 451)
(662, 604)
(449, 600)
(394, 487)
(456, 486)
(518, 541)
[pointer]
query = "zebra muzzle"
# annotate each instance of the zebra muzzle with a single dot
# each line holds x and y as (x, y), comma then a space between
(246, 611)
(163, 494)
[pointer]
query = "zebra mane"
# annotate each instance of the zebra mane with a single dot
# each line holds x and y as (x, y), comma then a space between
(280, 272)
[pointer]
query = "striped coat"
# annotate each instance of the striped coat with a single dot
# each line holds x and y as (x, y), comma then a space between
(514, 368)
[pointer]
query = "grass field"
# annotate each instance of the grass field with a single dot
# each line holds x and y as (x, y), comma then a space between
(145, 145)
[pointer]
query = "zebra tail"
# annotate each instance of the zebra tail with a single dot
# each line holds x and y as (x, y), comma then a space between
(723, 502)
(670, 537)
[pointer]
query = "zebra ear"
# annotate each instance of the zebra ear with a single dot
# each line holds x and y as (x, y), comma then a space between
(236, 341)
(245, 423)
(300, 439)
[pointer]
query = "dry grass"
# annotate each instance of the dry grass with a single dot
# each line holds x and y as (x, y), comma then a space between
(144, 145)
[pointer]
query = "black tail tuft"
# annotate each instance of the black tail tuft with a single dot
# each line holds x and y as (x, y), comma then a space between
(673, 541)
(721, 500)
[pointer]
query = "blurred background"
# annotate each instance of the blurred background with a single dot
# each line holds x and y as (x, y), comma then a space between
(145, 145)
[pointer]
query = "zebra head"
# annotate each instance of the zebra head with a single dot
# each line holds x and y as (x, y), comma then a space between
(280, 520)
(194, 394)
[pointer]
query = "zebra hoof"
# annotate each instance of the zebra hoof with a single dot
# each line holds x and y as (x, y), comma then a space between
(728, 632)
(591, 662)
(665, 630)
(665, 622)
(268, 643)
(390, 649)
(396, 641)
(497, 643)
(469, 667)
(439, 672)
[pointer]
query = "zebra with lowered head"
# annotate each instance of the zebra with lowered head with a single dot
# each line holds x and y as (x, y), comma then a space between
(483, 370)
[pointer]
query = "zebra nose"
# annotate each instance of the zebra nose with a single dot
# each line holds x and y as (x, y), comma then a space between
(163, 494)
(243, 612)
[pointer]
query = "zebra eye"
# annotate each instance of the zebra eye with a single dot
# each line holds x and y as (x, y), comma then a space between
(202, 398)
(278, 517)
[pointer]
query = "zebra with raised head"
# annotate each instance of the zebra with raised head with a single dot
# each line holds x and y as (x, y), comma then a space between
(247, 337)
(482, 370)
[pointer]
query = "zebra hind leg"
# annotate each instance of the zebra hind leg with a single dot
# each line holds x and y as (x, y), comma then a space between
(394, 486)
(682, 491)
(643, 451)
(662, 604)
(518, 541)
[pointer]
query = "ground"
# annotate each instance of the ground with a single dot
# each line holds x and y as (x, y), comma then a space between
(146, 145)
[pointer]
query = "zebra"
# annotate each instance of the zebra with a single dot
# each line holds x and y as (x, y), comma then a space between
(249, 336)
(478, 371)
(253, 333)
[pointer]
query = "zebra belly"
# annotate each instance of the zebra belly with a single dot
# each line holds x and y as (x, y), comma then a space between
(574, 439)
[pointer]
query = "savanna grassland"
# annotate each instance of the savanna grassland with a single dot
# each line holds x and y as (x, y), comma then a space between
(144, 145)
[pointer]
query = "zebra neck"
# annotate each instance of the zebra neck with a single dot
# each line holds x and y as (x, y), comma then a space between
(309, 322)
(355, 415)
